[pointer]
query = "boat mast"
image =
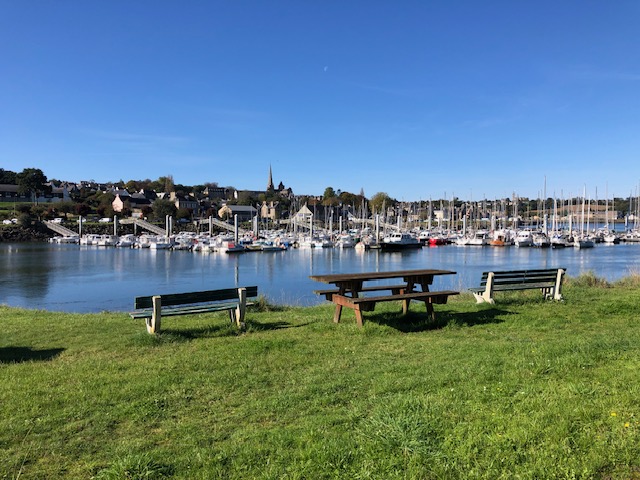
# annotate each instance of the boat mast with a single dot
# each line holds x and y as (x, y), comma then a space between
(544, 209)
(584, 193)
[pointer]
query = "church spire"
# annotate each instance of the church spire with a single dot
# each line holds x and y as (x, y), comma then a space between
(270, 186)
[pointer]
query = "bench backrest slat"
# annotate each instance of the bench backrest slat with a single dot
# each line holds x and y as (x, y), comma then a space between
(521, 276)
(195, 297)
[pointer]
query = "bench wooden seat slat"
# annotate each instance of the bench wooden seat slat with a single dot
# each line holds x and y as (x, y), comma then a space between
(549, 281)
(153, 308)
(194, 297)
(190, 310)
(514, 286)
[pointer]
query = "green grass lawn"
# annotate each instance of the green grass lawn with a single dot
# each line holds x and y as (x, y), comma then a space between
(521, 389)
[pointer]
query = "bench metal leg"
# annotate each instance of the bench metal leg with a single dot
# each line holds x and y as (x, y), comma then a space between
(487, 295)
(242, 307)
(557, 290)
(153, 323)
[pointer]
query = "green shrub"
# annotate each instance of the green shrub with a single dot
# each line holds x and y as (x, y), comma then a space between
(588, 279)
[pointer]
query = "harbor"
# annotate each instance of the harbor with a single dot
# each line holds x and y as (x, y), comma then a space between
(82, 278)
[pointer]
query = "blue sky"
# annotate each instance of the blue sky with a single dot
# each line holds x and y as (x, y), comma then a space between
(418, 99)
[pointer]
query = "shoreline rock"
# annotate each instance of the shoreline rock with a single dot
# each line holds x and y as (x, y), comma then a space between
(18, 233)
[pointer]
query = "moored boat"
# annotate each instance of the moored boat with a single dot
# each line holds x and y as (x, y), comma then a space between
(524, 238)
(399, 241)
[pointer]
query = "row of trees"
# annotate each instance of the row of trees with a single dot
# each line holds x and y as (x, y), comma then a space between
(29, 181)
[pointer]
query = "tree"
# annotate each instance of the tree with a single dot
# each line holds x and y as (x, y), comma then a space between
(25, 219)
(329, 198)
(184, 213)
(225, 212)
(24, 208)
(349, 199)
(329, 192)
(162, 208)
(133, 186)
(245, 198)
(126, 210)
(82, 209)
(32, 181)
(105, 207)
(211, 212)
(8, 177)
(168, 184)
(65, 208)
(146, 210)
(51, 212)
(378, 200)
(105, 211)
(38, 211)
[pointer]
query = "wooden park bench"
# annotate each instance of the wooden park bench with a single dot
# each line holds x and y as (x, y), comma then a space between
(153, 308)
(549, 281)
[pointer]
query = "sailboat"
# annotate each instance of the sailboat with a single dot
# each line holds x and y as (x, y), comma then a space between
(584, 240)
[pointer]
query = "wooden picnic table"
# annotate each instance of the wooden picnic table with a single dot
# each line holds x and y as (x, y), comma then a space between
(350, 286)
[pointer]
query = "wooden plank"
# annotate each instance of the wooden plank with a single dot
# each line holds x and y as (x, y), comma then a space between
(522, 286)
(521, 277)
(367, 304)
(404, 296)
(375, 288)
(192, 310)
(195, 297)
(342, 277)
(548, 280)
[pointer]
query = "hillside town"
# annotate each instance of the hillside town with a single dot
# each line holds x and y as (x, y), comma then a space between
(29, 196)
(137, 198)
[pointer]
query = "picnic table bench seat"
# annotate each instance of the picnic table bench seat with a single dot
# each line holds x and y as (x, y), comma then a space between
(153, 308)
(395, 289)
(549, 281)
(367, 304)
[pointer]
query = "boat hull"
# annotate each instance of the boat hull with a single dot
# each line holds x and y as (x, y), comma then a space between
(394, 247)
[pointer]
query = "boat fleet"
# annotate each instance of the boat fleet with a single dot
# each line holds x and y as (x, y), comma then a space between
(183, 241)
(276, 241)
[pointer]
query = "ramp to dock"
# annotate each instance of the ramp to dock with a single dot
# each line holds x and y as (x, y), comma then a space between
(222, 225)
(59, 229)
(144, 224)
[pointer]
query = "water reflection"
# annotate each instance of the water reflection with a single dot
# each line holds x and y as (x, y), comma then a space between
(25, 272)
(89, 279)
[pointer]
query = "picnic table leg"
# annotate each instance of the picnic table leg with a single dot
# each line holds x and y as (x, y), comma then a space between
(430, 311)
(405, 306)
(337, 313)
(358, 313)
(424, 286)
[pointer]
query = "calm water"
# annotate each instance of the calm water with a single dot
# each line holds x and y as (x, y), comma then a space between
(72, 278)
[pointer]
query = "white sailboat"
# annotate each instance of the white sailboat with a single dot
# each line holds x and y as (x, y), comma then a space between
(584, 240)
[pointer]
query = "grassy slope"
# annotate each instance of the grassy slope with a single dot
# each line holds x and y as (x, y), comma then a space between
(525, 388)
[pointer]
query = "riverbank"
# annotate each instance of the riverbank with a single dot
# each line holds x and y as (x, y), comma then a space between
(524, 388)
(40, 233)
(18, 233)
